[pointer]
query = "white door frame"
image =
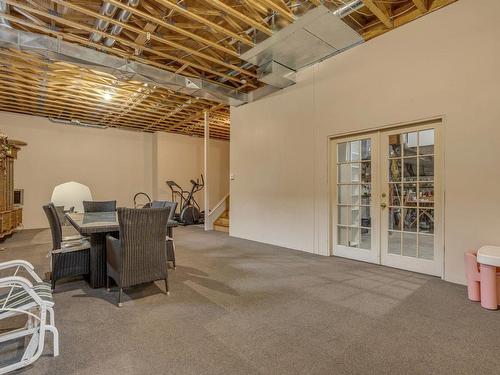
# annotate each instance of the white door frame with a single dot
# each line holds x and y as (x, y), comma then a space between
(373, 254)
(439, 193)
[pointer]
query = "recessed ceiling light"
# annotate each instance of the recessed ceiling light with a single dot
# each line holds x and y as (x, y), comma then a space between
(107, 95)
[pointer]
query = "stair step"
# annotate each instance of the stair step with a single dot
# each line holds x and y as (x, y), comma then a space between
(222, 221)
(221, 228)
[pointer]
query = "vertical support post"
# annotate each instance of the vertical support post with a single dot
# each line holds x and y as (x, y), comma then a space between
(154, 172)
(205, 171)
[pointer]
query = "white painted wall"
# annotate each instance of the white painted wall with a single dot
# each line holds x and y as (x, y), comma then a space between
(445, 63)
(115, 164)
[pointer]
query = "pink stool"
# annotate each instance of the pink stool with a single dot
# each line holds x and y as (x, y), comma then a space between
(473, 276)
(483, 282)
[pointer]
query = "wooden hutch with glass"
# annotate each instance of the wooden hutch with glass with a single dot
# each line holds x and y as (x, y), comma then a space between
(11, 215)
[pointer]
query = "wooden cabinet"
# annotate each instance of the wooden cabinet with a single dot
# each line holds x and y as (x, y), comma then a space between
(11, 216)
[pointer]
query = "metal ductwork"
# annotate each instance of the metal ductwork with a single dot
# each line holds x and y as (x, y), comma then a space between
(107, 10)
(77, 123)
(4, 8)
(124, 69)
(346, 9)
(123, 16)
(317, 35)
(276, 74)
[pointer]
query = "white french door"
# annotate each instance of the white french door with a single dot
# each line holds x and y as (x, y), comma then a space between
(355, 190)
(386, 198)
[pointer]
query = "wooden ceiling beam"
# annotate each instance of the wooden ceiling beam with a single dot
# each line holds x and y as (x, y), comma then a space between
(407, 16)
(281, 10)
(173, 28)
(259, 8)
(64, 100)
(379, 13)
(117, 38)
(82, 80)
(185, 12)
(143, 35)
(240, 16)
(421, 5)
(195, 116)
(138, 110)
(80, 92)
(199, 37)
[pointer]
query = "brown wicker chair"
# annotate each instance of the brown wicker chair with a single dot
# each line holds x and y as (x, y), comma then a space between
(99, 206)
(139, 256)
(61, 214)
(70, 255)
(170, 239)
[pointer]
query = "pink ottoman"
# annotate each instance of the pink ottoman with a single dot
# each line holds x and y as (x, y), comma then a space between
(489, 259)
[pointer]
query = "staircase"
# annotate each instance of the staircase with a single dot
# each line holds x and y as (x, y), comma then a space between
(222, 222)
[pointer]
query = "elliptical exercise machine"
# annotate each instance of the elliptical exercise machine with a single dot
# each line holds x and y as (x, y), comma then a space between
(189, 210)
(139, 203)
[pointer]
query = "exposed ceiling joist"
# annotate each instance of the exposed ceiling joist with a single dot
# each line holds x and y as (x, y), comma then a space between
(202, 40)
(242, 17)
(421, 5)
(282, 9)
(380, 13)
(195, 17)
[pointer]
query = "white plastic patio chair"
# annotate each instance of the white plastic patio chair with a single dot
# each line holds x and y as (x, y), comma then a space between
(33, 299)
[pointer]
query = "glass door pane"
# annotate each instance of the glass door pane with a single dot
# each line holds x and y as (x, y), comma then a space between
(386, 199)
(411, 194)
(354, 187)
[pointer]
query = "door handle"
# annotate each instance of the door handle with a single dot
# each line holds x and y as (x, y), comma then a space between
(383, 205)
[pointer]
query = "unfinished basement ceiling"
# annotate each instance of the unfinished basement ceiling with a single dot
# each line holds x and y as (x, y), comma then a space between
(201, 41)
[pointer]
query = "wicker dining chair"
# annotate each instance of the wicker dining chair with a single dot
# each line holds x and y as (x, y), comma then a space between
(139, 256)
(69, 257)
(99, 206)
(61, 214)
(157, 204)
(170, 239)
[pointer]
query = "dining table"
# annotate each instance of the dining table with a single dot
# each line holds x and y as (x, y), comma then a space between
(96, 225)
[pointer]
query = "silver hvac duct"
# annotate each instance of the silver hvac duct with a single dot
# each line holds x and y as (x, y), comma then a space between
(4, 8)
(56, 49)
(76, 123)
(278, 73)
(346, 9)
(123, 16)
(108, 10)
(315, 36)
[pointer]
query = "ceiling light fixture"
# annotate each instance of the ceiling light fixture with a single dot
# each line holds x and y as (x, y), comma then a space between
(107, 96)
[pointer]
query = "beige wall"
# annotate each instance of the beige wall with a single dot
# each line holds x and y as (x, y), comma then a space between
(181, 158)
(178, 158)
(218, 169)
(444, 64)
(115, 164)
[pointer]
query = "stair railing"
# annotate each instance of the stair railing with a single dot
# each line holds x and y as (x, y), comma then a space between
(216, 212)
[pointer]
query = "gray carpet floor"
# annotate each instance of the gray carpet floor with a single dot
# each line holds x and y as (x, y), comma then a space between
(241, 307)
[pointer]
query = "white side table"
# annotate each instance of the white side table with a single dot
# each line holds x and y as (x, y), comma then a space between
(489, 259)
